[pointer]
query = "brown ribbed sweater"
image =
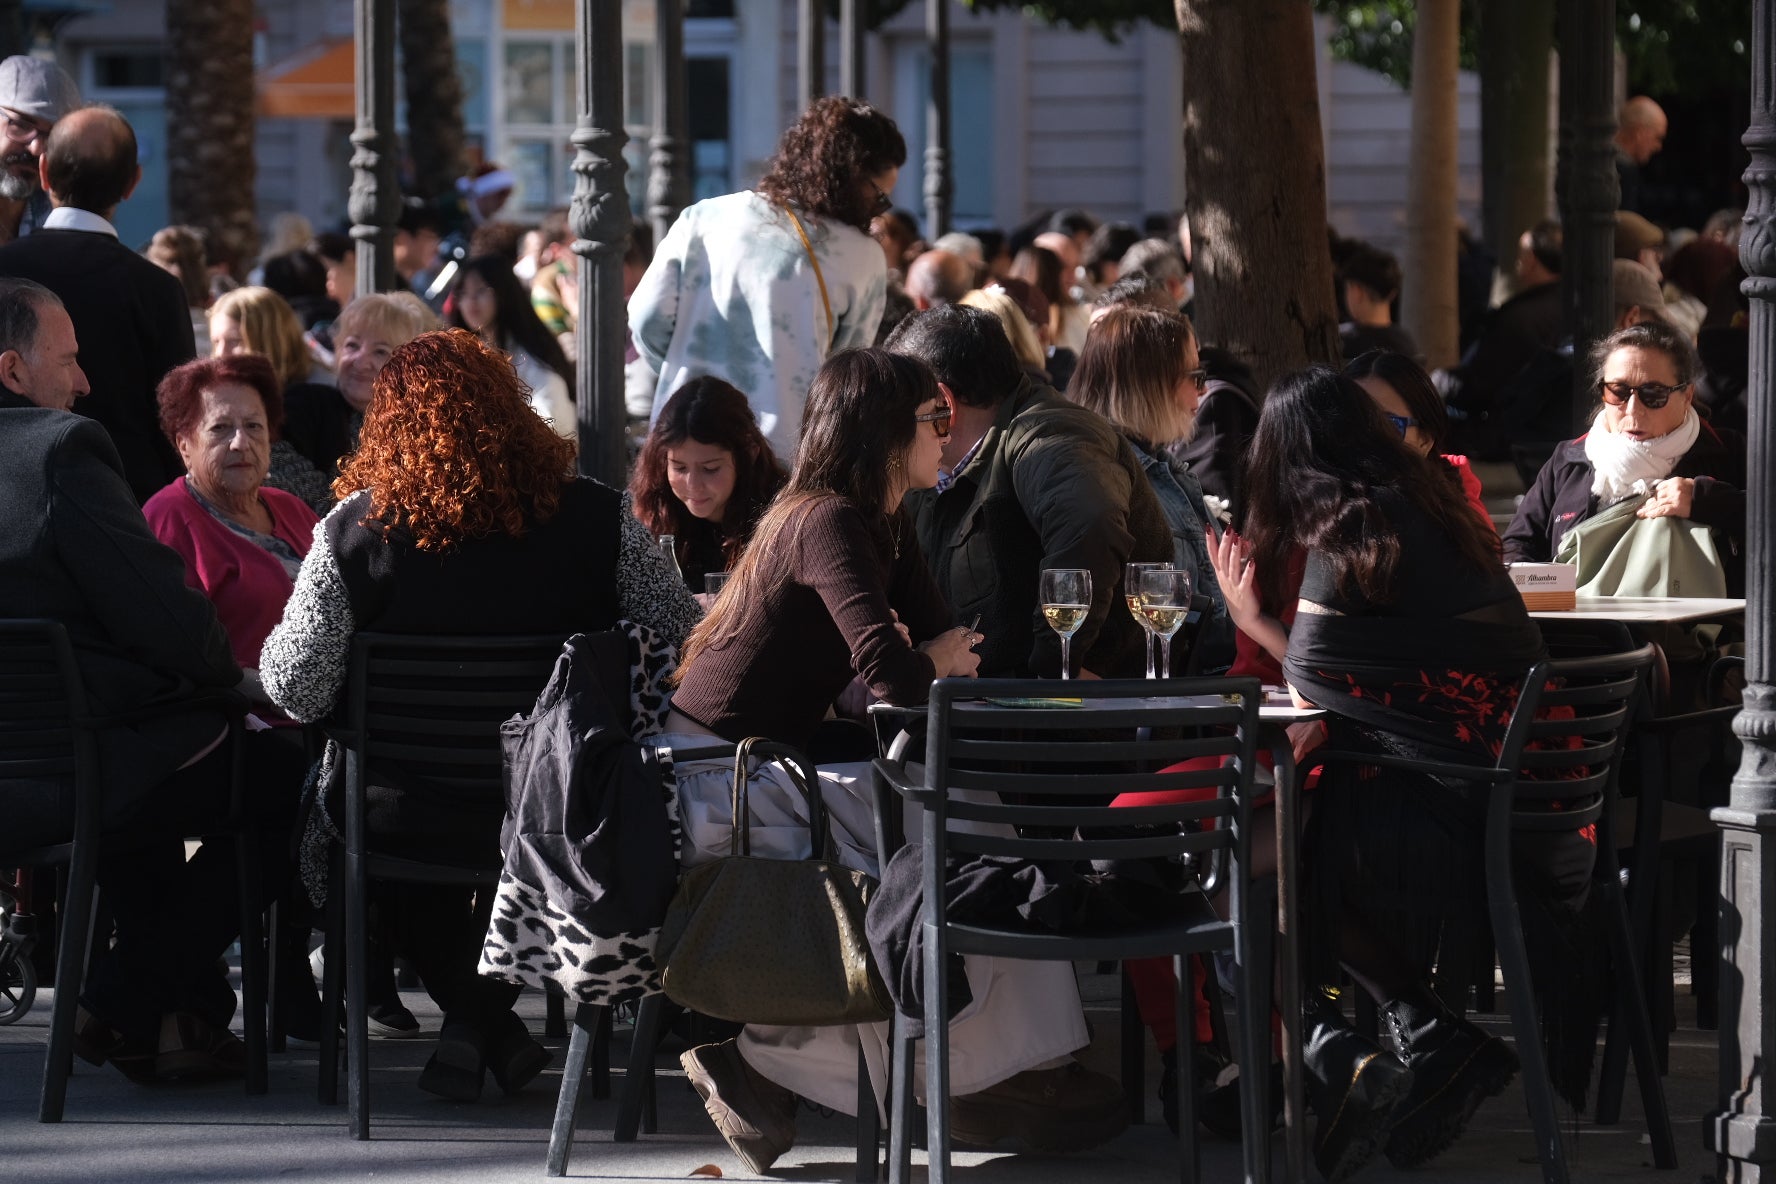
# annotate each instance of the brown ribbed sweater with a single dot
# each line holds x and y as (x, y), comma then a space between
(794, 647)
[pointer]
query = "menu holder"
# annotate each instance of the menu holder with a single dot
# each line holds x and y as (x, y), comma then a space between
(1546, 587)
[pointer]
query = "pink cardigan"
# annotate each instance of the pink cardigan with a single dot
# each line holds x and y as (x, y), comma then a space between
(247, 585)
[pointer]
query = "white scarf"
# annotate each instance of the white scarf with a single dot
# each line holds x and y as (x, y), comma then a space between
(1627, 467)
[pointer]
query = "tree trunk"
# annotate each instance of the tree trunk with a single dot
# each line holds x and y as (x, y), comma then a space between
(434, 97)
(1257, 217)
(1516, 39)
(210, 124)
(1429, 295)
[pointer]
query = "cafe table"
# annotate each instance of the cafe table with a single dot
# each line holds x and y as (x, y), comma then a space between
(1275, 715)
(1647, 610)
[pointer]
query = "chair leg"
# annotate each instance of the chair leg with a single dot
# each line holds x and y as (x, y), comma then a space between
(900, 1102)
(937, 1056)
(639, 1080)
(1189, 1149)
(1507, 932)
(601, 1056)
(555, 1014)
(76, 906)
(1134, 1052)
(1631, 1012)
(357, 988)
(587, 1017)
(332, 984)
(253, 961)
(869, 1125)
(274, 958)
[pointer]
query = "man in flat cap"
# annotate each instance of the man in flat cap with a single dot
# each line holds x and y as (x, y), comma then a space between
(34, 94)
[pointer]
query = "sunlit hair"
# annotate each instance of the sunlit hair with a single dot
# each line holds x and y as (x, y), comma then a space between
(708, 411)
(826, 157)
(180, 395)
(1024, 342)
(269, 328)
(183, 248)
(1041, 269)
(386, 317)
(1318, 462)
(451, 449)
(1129, 371)
(1654, 335)
(856, 429)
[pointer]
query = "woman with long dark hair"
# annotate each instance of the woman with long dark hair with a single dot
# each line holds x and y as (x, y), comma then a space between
(834, 587)
(1411, 406)
(705, 476)
(488, 301)
(761, 287)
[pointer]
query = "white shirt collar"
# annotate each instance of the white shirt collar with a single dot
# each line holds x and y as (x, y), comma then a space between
(69, 218)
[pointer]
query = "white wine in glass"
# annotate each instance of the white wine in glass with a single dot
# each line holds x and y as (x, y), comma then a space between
(1165, 602)
(1066, 596)
(1133, 597)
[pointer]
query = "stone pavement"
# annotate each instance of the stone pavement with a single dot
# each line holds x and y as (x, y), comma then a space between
(116, 1131)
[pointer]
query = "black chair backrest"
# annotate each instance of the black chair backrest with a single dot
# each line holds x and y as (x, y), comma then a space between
(426, 710)
(1053, 771)
(45, 731)
(1566, 736)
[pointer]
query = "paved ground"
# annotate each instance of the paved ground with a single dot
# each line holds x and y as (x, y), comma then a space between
(116, 1131)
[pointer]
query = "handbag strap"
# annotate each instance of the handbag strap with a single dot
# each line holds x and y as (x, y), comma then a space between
(740, 833)
(819, 278)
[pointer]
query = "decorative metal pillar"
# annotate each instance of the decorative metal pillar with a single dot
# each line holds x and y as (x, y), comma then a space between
(600, 216)
(668, 175)
(852, 71)
(811, 49)
(1743, 1131)
(375, 200)
(1586, 181)
(937, 121)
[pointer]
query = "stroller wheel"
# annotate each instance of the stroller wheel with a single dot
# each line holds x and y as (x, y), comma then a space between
(18, 983)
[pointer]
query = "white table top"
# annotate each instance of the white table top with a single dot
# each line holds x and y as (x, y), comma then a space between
(1276, 707)
(1647, 609)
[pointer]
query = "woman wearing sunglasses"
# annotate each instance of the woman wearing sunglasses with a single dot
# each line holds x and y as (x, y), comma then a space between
(1647, 441)
(1411, 406)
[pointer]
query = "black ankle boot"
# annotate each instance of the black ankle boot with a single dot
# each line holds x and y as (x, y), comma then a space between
(1455, 1066)
(1354, 1086)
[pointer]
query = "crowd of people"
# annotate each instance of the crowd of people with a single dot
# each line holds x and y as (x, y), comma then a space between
(883, 443)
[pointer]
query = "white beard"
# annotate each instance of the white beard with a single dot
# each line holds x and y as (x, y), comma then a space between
(15, 188)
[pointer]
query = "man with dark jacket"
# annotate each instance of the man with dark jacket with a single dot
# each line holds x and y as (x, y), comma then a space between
(1030, 482)
(130, 313)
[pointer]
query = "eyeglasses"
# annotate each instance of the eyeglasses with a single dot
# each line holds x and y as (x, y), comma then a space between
(939, 420)
(1402, 423)
(23, 130)
(1199, 377)
(883, 202)
(1652, 395)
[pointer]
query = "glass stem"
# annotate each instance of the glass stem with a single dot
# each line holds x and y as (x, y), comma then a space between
(1066, 655)
(1149, 653)
(1165, 654)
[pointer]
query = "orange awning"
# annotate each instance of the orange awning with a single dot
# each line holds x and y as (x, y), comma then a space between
(316, 83)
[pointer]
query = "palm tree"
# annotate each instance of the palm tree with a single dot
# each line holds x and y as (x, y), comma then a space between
(210, 125)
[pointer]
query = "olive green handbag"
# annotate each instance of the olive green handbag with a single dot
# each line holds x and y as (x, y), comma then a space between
(1618, 553)
(773, 941)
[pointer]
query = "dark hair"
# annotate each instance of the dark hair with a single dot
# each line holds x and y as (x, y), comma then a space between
(89, 171)
(1139, 290)
(992, 243)
(497, 238)
(180, 394)
(1546, 243)
(416, 216)
(1414, 387)
(185, 248)
(826, 156)
(1073, 222)
(21, 302)
(638, 250)
(856, 426)
(297, 275)
(514, 320)
(1698, 267)
(966, 348)
(1373, 268)
(333, 247)
(1109, 243)
(1041, 268)
(709, 411)
(1655, 335)
(1320, 457)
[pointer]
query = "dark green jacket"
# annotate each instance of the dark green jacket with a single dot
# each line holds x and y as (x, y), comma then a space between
(1053, 485)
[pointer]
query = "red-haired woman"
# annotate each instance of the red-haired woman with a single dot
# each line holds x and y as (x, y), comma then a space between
(705, 476)
(460, 513)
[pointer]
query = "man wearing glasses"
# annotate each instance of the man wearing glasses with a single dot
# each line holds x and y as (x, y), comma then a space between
(34, 94)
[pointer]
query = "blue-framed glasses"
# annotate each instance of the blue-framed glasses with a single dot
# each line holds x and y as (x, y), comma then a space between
(1402, 423)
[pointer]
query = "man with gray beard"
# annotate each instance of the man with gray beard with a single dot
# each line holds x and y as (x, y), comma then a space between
(34, 94)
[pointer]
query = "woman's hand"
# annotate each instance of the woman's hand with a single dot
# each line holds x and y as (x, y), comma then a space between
(906, 634)
(1231, 557)
(1672, 498)
(952, 652)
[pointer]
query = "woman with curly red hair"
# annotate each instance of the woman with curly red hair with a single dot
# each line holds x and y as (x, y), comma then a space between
(759, 288)
(459, 513)
(704, 476)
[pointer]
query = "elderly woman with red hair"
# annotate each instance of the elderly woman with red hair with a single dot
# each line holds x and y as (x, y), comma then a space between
(460, 513)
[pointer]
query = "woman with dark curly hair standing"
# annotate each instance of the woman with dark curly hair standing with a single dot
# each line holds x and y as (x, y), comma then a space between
(759, 288)
(459, 513)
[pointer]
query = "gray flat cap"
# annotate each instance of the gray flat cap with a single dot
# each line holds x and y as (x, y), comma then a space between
(34, 87)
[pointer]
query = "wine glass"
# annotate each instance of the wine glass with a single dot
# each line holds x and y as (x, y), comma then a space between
(1165, 602)
(714, 581)
(1131, 595)
(1066, 597)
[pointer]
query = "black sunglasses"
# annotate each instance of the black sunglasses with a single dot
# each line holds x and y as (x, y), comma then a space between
(1652, 395)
